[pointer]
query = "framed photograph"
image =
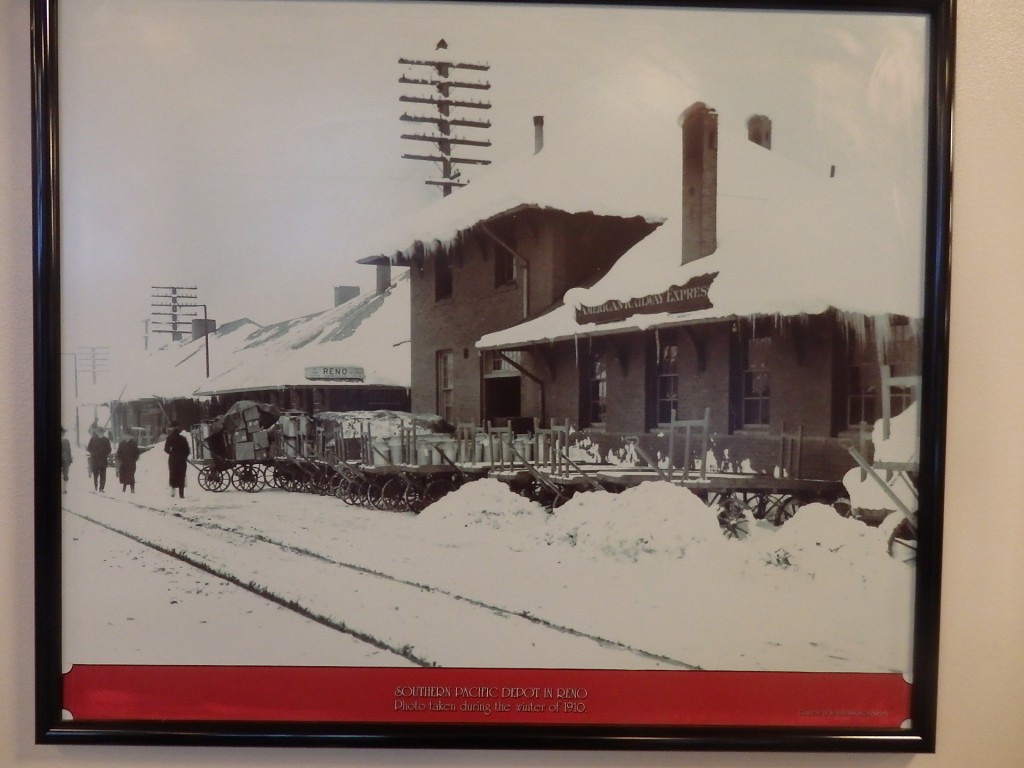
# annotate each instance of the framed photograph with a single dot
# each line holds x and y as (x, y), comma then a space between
(491, 375)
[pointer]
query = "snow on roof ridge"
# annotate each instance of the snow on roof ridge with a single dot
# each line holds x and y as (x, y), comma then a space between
(368, 331)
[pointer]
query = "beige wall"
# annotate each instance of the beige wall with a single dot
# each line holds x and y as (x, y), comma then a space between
(981, 707)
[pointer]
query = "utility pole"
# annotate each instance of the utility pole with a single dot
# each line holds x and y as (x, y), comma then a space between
(206, 335)
(78, 433)
(173, 298)
(92, 360)
(435, 90)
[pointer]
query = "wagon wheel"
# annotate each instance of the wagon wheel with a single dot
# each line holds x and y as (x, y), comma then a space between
(352, 490)
(413, 498)
(344, 489)
(331, 481)
(375, 491)
(782, 510)
(732, 517)
(213, 479)
(247, 478)
(903, 542)
(392, 495)
(275, 476)
(759, 504)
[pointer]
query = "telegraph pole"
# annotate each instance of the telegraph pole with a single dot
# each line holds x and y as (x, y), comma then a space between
(206, 335)
(435, 90)
(173, 298)
(92, 360)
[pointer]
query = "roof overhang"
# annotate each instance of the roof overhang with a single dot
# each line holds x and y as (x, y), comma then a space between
(640, 323)
(325, 384)
(407, 257)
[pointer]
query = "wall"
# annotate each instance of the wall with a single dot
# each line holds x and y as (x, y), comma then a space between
(562, 250)
(982, 665)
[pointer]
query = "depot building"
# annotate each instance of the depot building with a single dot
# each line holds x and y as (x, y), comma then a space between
(692, 272)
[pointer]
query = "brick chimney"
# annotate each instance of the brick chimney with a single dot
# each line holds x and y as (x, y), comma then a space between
(700, 181)
(538, 133)
(383, 276)
(759, 130)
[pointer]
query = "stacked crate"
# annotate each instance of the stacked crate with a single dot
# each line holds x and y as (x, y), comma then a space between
(250, 439)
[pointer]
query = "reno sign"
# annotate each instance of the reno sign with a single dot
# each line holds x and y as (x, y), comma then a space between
(335, 373)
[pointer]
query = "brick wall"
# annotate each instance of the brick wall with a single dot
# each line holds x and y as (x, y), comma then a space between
(562, 250)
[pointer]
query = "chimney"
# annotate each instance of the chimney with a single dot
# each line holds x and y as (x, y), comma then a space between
(383, 276)
(759, 130)
(538, 133)
(700, 181)
(201, 328)
(343, 293)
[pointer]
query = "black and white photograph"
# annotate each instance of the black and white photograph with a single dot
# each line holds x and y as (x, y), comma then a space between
(470, 365)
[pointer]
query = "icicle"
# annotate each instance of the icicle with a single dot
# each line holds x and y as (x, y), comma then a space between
(883, 333)
(576, 346)
(657, 347)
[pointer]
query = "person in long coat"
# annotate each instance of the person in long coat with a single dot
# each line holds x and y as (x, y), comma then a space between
(99, 449)
(65, 460)
(127, 461)
(177, 450)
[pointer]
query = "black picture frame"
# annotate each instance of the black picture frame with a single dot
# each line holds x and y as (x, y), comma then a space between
(52, 374)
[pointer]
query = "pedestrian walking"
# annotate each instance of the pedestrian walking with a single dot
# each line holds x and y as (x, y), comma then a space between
(177, 450)
(127, 460)
(65, 461)
(99, 449)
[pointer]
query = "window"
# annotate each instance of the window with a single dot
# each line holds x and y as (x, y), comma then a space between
(496, 364)
(446, 385)
(862, 398)
(596, 389)
(901, 354)
(756, 381)
(504, 269)
(668, 383)
(442, 276)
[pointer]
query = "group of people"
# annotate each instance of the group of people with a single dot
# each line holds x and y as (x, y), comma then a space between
(99, 449)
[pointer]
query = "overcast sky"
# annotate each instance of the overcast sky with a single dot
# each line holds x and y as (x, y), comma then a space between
(243, 146)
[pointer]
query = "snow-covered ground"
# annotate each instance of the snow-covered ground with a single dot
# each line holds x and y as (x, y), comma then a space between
(483, 578)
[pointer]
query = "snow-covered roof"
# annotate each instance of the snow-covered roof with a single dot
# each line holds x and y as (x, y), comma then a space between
(370, 332)
(791, 239)
(789, 242)
(596, 158)
(177, 368)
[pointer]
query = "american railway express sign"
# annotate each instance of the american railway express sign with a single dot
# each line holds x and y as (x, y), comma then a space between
(685, 298)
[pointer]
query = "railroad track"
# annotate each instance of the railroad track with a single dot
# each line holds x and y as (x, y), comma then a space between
(422, 623)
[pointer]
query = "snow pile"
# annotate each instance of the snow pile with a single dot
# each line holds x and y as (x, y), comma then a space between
(900, 447)
(822, 544)
(652, 519)
(481, 508)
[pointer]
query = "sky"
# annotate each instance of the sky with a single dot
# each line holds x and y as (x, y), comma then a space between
(246, 147)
